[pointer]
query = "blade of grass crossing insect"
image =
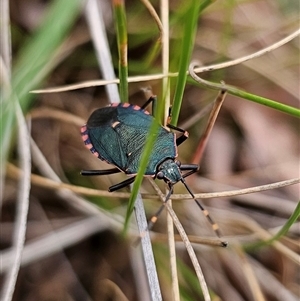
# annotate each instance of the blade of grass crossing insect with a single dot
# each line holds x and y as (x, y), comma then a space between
(143, 165)
(189, 32)
(121, 28)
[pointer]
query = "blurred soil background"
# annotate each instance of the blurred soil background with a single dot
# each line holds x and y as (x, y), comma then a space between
(250, 145)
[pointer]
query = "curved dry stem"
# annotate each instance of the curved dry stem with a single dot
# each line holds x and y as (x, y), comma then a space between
(206, 83)
(155, 16)
(186, 242)
(14, 172)
(96, 83)
(250, 56)
(175, 74)
(57, 115)
(22, 206)
(237, 192)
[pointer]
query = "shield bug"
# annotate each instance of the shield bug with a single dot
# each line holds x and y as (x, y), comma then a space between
(117, 134)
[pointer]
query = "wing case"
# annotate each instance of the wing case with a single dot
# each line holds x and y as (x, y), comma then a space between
(118, 133)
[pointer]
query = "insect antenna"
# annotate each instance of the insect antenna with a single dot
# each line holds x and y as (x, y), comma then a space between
(154, 218)
(214, 225)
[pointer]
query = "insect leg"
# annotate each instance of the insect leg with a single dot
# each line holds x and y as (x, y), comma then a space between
(151, 99)
(99, 172)
(206, 213)
(182, 137)
(192, 168)
(121, 184)
(108, 172)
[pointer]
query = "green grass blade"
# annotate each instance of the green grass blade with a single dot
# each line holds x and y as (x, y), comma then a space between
(285, 228)
(267, 102)
(252, 97)
(151, 137)
(289, 223)
(189, 33)
(121, 27)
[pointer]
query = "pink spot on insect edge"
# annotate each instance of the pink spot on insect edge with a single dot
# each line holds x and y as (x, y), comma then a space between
(126, 105)
(96, 154)
(146, 112)
(114, 104)
(83, 129)
(89, 146)
(136, 108)
(85, 137)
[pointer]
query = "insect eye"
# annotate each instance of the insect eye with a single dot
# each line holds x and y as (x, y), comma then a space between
(160, 175)
(178, 163)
